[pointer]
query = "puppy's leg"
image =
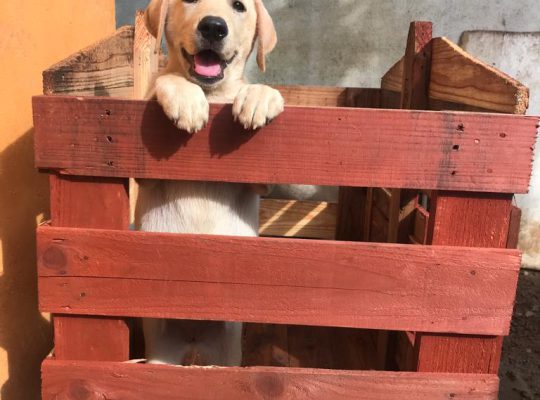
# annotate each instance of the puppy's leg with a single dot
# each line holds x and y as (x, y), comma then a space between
(183, 102)
(257, 105)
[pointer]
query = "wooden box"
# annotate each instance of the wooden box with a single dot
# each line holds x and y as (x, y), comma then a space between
(404, 288)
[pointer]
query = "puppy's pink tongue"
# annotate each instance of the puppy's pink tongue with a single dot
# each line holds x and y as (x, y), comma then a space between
(207, 64)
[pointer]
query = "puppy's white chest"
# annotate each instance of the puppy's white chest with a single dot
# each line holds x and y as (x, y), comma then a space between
(198, 208)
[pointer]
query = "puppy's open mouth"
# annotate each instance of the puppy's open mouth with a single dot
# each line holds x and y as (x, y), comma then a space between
(207, 66)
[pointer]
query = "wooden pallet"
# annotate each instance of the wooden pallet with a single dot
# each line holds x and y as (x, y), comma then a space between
(322, 310)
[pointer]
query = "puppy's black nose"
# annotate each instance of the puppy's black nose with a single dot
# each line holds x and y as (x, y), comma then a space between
(213, 29)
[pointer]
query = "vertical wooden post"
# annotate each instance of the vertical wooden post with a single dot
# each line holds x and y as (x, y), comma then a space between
(90, 203)
(145, 60)
(414, 96)
(473, 220)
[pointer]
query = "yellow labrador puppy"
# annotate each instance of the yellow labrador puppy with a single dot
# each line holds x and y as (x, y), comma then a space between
(209, 42)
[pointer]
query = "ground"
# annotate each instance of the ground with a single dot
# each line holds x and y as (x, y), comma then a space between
(520, 371)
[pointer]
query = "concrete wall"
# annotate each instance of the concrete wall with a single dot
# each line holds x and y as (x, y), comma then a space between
(35, 34)
(351, 42)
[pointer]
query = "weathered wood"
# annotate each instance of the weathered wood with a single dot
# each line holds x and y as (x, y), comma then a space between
(460, 78)
(74, 380)
(417, 67)
(459, 219)
(461, 82)
(352, 147)
(89, 203)
(301, 219)
(103, 69)
(276, 280)
(145, 63)
(313, 96)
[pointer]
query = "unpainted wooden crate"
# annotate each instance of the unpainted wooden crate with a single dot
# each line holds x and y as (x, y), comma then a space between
(405, 289)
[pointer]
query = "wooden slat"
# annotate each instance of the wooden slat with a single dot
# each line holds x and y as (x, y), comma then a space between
(461, 82)
(301, 219)
(87, 202)
(351, 218)
(78, 380)
(331, 146)
(145, 61)
(103, 69)
(320, 283)
(393, 79)
(460, 78)
(417, 67)
(460, 219)
(313, 96)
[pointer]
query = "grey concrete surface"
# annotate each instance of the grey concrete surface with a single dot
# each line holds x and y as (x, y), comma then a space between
(351, 42)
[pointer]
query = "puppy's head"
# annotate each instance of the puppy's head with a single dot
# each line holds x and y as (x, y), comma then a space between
(209, 41)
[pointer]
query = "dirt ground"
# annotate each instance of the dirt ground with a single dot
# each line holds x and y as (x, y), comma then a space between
(520, 371)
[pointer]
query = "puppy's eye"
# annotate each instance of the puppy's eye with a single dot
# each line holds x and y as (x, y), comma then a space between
(239, 6)
(190, 1)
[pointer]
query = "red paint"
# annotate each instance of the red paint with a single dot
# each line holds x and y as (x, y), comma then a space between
(332, 146)
(63, 380)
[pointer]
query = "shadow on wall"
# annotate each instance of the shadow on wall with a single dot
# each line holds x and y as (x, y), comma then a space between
(24, 333)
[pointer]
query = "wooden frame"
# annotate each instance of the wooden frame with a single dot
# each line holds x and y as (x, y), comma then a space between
(451, 304)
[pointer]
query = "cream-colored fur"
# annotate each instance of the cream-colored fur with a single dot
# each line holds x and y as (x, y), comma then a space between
(204, 207)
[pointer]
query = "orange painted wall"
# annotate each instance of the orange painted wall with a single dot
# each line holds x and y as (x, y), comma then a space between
(33, 36)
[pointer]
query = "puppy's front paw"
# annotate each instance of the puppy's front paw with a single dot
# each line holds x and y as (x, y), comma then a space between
(256, 105)
(183, 102)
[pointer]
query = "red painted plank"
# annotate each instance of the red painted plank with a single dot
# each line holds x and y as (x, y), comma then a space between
(459, 219)
(91, 203)
(94, 339)
(328, 146)
(362, 285)
(78, 380)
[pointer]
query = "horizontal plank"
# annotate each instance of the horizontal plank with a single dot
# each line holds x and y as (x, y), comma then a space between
(301, 219)
(321, 146)
(74, 380)
(287, 281)
(313, 96)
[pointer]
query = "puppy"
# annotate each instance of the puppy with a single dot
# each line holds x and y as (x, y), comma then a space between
(209, 42)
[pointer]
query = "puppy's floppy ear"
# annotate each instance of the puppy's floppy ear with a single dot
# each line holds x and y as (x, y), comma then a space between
(266, 33)
(155, 17)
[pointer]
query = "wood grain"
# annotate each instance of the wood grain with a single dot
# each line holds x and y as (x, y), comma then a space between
(417, 67)
(393, 79)
(276, 280)
(460, 78)
(103, 69)
(300, 219)
(78, 380)
(462, 82)
(353, 147)
(460, 219)
(313, 96)
(145, 60)
(87, 202)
